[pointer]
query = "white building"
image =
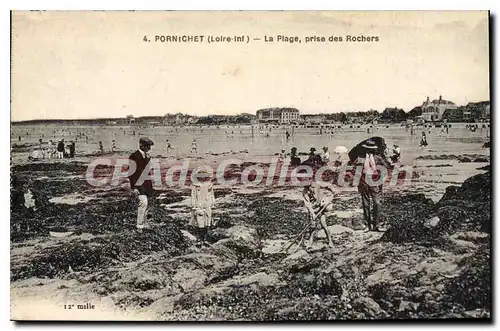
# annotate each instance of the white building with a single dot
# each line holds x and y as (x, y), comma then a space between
(433, 111)
(279, 115)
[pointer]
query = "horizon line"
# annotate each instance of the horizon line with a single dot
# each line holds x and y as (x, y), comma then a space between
(239, 114)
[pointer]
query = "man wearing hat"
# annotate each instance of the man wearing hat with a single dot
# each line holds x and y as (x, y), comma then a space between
(143, 191)
(370, 190)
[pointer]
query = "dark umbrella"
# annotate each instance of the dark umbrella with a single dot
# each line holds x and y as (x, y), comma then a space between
(360, 151)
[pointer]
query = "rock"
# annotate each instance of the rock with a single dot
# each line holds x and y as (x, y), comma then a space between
(318, 282)
(481, 159)
(368, 306)
(432, 222)
(188, 236)
(466, 208)
(477, 313)
(334, 229)
(202, 268)
(464, 159)
(217, 234)
(408, 306)
(241, 232)
(450, 192)
(297, 257)
(227, 287)
(274, 246)
(242, 241)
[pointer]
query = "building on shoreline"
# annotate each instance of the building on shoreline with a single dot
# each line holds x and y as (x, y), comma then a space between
(129, 119)
(278, 115)
(313, 118)
(177, 119)
(433, 111)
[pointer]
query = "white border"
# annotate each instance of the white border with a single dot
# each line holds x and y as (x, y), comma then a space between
(202, 5)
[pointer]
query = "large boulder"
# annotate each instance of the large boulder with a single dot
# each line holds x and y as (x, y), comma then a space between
(467, 207)
(242, 241)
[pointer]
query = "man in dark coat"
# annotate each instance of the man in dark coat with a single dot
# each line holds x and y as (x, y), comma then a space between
(60, 149)
(371, 190)
(143, 190)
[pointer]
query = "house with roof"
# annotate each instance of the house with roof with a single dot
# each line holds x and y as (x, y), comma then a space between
(433, 111)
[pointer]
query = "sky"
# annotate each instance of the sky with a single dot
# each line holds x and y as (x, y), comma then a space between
(70, 65)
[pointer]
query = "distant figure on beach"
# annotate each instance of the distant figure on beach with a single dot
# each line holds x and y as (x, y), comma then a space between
(113, 147)
(101, 148)
(396, 154)
(423, 141)
(142, 191)
(60, 149)
(51, 149)
(411, 130)
(294, 159)
(281, 157)
(169, 147)
(72, 147)
(325, 156)
(19, 138)
(312, 154)
(287, 134)
(194, 146)
(66, 151)
(314, 160)
(340, 156)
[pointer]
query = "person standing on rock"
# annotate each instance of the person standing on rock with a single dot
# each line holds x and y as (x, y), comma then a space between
(142, 191)
(202, 201)
(371, 190)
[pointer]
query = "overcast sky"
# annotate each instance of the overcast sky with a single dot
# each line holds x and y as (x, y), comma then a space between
(96, 64)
